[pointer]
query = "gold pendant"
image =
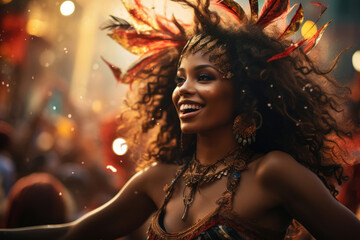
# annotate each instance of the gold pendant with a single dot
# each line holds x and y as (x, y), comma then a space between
(187, 202)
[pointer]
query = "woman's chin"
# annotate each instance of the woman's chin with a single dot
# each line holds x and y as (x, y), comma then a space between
(188, 130)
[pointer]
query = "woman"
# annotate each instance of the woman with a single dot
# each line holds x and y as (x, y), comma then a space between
(251, 135)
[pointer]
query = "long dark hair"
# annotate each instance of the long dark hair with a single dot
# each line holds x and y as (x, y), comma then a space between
(298, 102)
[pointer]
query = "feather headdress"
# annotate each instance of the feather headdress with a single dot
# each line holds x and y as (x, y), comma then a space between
(156, 39)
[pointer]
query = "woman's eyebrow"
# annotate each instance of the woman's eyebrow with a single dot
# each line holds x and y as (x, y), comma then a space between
(201, 67)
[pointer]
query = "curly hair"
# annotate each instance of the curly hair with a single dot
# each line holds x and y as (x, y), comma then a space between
(298, 102)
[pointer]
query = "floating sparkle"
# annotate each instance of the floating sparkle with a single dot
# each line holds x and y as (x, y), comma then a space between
(111, 168)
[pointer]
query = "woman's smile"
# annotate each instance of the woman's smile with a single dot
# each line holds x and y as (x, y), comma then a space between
(203, 99)
(189, 109)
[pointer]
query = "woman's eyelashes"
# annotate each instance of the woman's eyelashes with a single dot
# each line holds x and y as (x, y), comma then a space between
(179, 80)
(206, 77)
(200, 77)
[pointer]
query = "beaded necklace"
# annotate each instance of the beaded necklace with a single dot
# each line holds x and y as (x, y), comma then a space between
(197, 174)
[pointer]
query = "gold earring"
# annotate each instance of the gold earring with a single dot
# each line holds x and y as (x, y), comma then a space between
(244, 128)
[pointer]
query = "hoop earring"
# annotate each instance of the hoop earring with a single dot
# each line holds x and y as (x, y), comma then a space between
(244, 128)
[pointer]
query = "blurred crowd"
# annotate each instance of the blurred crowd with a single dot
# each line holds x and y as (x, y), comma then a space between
(56, 159)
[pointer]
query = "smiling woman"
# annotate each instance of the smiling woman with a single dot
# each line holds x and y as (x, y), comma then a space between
(203, 98)
(244, 130)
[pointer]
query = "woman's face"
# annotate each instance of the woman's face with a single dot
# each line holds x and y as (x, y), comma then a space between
(204, 100)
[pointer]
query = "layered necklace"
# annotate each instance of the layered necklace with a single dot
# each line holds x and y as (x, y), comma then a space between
(198, 174)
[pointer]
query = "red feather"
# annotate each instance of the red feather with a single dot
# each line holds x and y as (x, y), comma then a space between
(146, 62)
(254, 9)
(143, 14)
(166, 25)
(272, 10)
(288, 51)
(115, 70)
(231, 7)
(323, 7)
(140, 42)
(313, 41)
(294, 24)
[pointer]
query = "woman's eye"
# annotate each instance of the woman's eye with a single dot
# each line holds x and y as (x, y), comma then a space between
(206, 77)
(179, 80)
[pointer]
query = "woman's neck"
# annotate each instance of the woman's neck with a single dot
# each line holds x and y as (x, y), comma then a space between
(212, 146)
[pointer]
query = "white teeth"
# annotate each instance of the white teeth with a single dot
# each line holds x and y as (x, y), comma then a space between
(189, 106)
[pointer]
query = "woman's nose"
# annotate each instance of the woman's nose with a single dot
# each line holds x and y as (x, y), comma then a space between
(188, 87)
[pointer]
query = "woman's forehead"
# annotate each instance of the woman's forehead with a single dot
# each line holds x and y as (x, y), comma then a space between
(206, 49)
(194, 59)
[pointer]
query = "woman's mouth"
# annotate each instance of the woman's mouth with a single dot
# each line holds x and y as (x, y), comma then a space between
(189, 110)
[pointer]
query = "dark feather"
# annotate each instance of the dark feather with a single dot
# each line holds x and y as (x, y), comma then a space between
(116, 23)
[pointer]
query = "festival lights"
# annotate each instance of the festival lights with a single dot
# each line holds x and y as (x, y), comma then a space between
(67, 8)
(308, 29)
(356, 60)
(119, 146)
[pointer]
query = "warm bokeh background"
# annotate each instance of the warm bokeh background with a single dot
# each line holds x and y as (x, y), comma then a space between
(61, 101)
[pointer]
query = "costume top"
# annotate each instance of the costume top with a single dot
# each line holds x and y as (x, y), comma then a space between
(220, 224)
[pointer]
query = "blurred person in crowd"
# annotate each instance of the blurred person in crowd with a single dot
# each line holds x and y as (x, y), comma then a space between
(7, 168)
(37, 199)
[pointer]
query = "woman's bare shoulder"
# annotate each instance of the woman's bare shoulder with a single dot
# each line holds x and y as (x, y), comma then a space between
(159, 171)
(274, 163)
(154, 178)
(279, 171)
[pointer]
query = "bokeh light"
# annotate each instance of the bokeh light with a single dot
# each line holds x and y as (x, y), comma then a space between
(356, 60)
(6, 1)
(64, 127)
(67, 8)
(45, 141)
(119, 146)
(97, 106)
(36, 27)
(308, 29)
(47, 58)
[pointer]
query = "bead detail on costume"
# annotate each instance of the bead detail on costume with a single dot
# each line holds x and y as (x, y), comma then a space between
(197, 174)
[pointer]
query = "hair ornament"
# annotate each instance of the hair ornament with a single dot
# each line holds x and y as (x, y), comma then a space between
(150, 36)
(158, 40)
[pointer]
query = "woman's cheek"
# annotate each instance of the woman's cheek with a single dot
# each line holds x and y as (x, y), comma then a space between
(175, 97)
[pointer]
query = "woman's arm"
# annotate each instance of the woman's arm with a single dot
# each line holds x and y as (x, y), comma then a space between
(307, 199)
(121, 215)
(36, 232)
